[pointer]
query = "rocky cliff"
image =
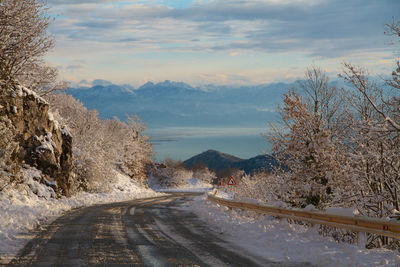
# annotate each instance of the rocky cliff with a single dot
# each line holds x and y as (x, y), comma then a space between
(44, 144)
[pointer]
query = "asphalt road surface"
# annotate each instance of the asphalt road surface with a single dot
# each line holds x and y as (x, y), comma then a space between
(145, 232)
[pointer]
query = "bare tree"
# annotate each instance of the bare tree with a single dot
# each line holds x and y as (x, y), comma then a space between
(306, 147)
(308, 138)
(24, 41)
(359, 79)
(375, 142)
(322, 99)
(136, 149)
(393, 29)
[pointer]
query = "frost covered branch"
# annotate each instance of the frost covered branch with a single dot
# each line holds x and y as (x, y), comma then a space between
(24, 41)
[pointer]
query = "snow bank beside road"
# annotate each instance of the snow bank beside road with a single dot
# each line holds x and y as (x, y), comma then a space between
(191, 185)
(32, 203)
(277, 240)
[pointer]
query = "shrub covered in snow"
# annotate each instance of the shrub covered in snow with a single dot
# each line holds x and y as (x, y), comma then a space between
(169, 177)
(176, 175)
(204, 175)
(101, 145)
(261, 186)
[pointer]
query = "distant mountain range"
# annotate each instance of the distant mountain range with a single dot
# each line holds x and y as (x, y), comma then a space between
(179, 104)
(218, 161)
(170, 108)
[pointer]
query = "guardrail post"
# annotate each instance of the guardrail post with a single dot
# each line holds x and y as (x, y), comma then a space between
(361, 239)
(214, 192)
(314, 229)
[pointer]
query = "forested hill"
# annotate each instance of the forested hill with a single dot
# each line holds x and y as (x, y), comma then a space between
(218, 161)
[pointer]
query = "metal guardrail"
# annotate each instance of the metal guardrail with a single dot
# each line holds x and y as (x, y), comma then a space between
(359, 224)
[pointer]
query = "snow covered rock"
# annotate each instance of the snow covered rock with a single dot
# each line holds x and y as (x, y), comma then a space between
(43, 143)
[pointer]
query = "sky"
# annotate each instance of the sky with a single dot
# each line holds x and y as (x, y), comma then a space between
(236, 42)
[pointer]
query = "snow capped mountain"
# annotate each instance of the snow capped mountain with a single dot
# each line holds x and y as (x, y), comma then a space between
(166, 85)
(172, 103)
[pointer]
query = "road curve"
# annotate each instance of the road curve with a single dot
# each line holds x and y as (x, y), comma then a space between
(144, 232)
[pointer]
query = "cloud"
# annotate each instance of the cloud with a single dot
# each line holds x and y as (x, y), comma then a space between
(319, 28)
(74, 2)
(113, 32)
(266, 109)
(215, 28)
(74, 67)
(128, 40)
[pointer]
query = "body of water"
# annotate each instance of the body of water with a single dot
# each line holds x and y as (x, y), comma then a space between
(239, 143)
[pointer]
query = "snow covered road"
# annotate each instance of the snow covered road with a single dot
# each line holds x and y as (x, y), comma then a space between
(145, 232)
